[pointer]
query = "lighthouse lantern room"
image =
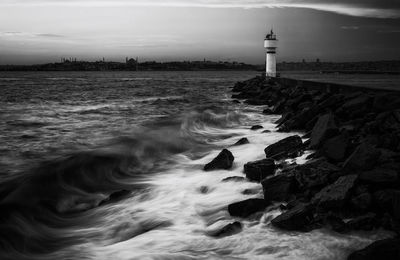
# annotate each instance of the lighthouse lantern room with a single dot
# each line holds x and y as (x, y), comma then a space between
(270, 44)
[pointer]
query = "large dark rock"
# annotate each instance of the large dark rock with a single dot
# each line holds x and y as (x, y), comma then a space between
(256, 102)
(278, 188)
(330, 102)
(362, 202)
(247, 207)
(388, 122)
(256, 127)
(234, 178)
(297, 218)
(388, 201)
(365, 222)
(387, 249)
(357, 102)
(285, 117)
(242, 141)
(315, 173)
(323, 129)
(300, 120)
(335, 223)
(335, 148)
(228, 230)
(364, 157)
(223, 161)
(335, 195)
(287, 147)
(385, 102)
(259, 170)
(380, 177)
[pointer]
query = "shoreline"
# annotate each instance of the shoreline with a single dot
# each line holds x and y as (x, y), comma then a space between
(351, 180)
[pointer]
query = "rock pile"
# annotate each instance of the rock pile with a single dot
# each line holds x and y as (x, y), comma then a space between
(353, 172)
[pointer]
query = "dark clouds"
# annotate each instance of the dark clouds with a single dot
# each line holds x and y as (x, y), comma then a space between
(362, 8)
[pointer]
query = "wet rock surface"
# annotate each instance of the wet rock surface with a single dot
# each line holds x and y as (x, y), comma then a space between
(288, 147)
(223, 161)
(259, 170)
(246, 208)
(242, 141)
(228, 230)
(297, 218)
(336, 194)
(388, 249)
(278, 188)
(351, 181)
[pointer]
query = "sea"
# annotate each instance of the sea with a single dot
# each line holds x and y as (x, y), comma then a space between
(109, 165)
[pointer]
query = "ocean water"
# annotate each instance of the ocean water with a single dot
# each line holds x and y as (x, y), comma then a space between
(108, 165)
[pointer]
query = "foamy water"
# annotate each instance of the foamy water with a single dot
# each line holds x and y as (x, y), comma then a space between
(174, 205)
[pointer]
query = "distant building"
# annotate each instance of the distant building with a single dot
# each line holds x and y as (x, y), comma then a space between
(132, 63)
(270, 44)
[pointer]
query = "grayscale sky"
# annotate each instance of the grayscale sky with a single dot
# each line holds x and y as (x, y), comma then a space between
(37, 31)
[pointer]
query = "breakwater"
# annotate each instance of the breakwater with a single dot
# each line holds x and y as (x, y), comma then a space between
(351, 181)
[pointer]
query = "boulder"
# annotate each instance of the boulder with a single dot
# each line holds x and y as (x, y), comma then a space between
(323, 129)
(366, 222)
(223, 161)
(242, 141)
(299, 120)
(259, 170)
(389, 122)
(284, 148)
(268, 111)
(364, 157)
(355, 103)
(315, 173)
(247, 207)
(228, 230)
(330, 102)
(335, 195)
(285, 117)
(388, 249)
(386, 102)
(335, 223)
(387, 201)
(256, 102)
(234, 178)
(278, 188)
(256, 127)
(362, 201)
(297, 218)
(251, 191)
(335, 148)
(380, 177)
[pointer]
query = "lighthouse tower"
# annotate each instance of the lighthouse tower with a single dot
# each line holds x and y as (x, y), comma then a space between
(270, 44)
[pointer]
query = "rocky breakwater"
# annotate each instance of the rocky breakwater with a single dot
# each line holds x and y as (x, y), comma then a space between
(351, 180)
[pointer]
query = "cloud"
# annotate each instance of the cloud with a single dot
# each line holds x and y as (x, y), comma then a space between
(12, 34)
(351, 27)
(363, 8)
(49, 35)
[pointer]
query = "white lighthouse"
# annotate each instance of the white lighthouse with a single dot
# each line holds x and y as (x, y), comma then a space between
(270, 44)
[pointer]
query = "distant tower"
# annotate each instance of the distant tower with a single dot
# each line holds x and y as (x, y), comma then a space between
(270, 44)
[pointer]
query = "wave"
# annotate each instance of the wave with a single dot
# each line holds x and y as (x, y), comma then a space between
(41, 208)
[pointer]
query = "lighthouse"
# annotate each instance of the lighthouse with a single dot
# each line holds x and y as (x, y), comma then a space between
(270, 44)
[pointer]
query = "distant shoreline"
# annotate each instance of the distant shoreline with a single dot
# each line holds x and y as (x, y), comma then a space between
(365, 67)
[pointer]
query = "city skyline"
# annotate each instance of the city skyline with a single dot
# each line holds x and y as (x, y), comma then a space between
(40, 31)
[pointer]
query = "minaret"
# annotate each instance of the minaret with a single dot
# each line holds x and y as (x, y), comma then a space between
(270, 44)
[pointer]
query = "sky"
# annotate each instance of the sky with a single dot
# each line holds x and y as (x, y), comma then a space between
(40, 31)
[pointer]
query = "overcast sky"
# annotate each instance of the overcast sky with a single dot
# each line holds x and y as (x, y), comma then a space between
(37, 31)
